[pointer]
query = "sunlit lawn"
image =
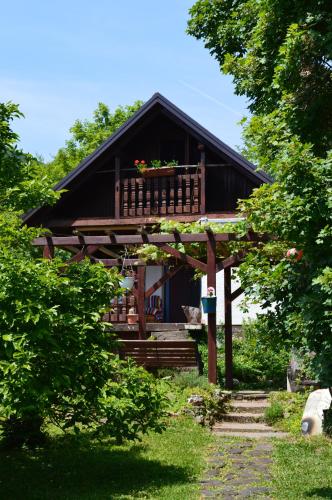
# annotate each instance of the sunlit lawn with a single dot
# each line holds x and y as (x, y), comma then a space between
(163, 466)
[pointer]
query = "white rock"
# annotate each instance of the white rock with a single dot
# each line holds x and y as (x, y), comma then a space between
(312, 420)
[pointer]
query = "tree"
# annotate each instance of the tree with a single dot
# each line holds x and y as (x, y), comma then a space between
(87, 135)
(58, 358)
(279, 53)
(23, 183)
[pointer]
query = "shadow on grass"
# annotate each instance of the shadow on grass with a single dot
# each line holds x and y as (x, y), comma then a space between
(320, 493)
(76, 469)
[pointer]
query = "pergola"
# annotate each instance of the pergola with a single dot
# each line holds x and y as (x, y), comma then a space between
(87, 245)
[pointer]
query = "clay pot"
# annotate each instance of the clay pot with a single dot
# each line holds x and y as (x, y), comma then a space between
(132, 319)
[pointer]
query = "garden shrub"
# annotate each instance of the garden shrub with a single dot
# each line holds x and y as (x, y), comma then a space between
(257, 363)
(274, 413)
(292, 404)
(57, 358)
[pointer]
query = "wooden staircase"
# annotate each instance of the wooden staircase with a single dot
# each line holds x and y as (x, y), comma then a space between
(246, 418)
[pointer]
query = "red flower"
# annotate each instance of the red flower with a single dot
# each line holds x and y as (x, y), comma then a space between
(136, 162)
(142, 162)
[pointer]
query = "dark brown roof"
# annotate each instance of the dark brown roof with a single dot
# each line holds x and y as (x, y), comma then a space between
(195, 128)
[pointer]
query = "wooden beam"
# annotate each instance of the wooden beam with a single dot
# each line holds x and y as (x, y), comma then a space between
(236, 293)
(85, 252)
(195, 263)
(117, 188)
(232, 261)
(139, 239)
(212, 317)
(109, 252)
(119, 262)
(141, 301)
(228, 327)
(167, 276)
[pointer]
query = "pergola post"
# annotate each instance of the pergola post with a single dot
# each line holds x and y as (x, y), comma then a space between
(141, 302)
(228, 327)
(212, 317)
(48, 250)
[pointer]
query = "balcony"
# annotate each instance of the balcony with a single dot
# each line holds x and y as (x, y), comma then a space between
(159, 196)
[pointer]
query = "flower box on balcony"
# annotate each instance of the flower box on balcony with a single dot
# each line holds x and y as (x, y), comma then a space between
(157, 172)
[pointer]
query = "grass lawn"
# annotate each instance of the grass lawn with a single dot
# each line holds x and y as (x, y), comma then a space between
(162, 466)
(303, 468)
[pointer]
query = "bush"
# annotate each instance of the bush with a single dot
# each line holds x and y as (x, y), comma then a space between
(292, 404)
(56, 359)
(274, 413)
(257, 363)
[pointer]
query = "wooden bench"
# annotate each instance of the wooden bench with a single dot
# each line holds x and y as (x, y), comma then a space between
(162, 353)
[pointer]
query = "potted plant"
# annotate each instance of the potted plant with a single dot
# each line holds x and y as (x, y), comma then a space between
(127, 280)
(156, 168)
(132, 316)
(209, 302)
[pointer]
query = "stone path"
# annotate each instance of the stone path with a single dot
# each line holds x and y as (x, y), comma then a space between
(238, 469)
(240, 466)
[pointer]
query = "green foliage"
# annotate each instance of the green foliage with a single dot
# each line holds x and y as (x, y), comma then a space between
(87, 136)
(273, 413)
(258, 362)
(279, 54)
(131, 401)
(23, 183)
(292, 406)
(327, 422)
(190, 379)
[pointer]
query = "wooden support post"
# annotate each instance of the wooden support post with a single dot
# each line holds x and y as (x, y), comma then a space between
(48, 252)
(203, 178)
(117, 188)
(212, 317)
(228, 327)
(141, 302)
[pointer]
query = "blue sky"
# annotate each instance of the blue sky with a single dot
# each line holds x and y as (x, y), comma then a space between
(59, 59)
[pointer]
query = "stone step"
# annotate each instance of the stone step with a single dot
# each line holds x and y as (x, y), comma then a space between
(251, 434)
(249, 406)
(243, 417)
(241, 427)
(249, 395)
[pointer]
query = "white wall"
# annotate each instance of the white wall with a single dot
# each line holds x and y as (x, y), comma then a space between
(237, 315)
(153, 274)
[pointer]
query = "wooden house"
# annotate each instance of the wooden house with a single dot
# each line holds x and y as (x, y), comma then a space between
(106, 195)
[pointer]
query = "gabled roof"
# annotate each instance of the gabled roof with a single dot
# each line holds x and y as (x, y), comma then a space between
(202, 133)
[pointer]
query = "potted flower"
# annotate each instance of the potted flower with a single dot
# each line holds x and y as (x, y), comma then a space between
(132, 316)
(209, 302)
(155, 168)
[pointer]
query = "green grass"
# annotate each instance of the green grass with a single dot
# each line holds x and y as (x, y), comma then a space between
(162, 466)
(303, 468)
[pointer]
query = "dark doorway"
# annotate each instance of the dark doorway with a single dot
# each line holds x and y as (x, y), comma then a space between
(182, 290)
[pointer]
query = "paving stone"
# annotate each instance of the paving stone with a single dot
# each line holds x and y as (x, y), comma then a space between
(253, 491)
(208, 493)
(211, 482)
(212, 473)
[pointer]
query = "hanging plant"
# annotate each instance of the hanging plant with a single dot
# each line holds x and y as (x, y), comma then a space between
(209, 302)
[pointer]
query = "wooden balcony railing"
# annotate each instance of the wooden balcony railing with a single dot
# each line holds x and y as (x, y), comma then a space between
(176, 194)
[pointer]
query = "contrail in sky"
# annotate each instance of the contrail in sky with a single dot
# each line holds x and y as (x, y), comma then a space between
(210, 97)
